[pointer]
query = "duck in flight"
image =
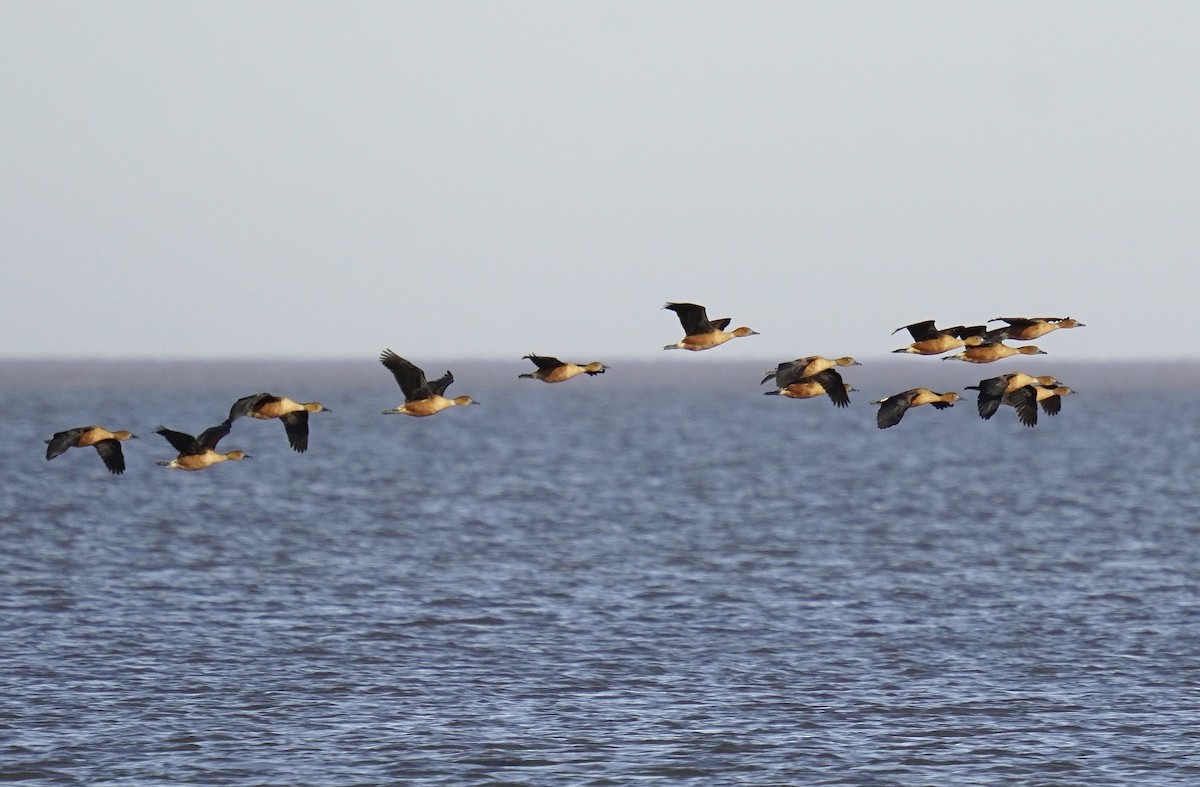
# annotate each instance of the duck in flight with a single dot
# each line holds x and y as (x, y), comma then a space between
(928, 339)
(986, 352)
(1024, 329)
(892, 408)
(421, 398)
(700, 332)
(107, 444)
(552, 370)
(197, 453)
(294, 415)
(826, 383)
(793, 371)
(995, 391)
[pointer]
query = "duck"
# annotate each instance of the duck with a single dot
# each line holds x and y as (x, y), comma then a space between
(892, 408)
(293, 414)
(1024, 400)
(107, 444)
(986, 352)
(790, 372)
(702, 333)
(827, 383)
(552, 370)
(993, 390)
(421, 398)
(928, 339)
(197, 453)
(1024, 329)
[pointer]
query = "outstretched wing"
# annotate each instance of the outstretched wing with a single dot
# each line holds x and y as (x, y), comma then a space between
(991, 393)
(246, 404)
(181, 442)
(209, 438)
(545, 362)
(892, 409)
(61, 441)
(438, 387)
(692, 317)
(834, 387)
(296, 425)
(1024, 401)
(1052, 405)
(410, 378)
(920, 331)
(114, 458)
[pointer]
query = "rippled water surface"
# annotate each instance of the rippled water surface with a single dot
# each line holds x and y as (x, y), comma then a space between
(598, 583)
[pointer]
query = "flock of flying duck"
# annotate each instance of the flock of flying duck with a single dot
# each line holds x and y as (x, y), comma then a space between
(803, 378)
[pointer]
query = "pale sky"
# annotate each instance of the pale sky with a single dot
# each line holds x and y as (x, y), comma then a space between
(485, 180)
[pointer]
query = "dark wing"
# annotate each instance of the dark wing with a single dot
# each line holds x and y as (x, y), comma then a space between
(1024, 401)
(941, 405)
(720, 324)
(1052, 405)
(183, 443)
(991, 393)
(409, 377)
(246, 404)
(791, 372)
(834, 387)
(1014, 322)
(212, 435)
(114, 458)
(438, 387)
(921, 331)
(545, 362)
(61, 441)
(296, 425)
(692, 317)
(892, 409)
(963, 331)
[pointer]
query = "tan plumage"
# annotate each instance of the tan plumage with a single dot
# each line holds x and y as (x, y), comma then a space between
(107, 444)
(702, 333)
(552, 370)
(421, 398)
(892, 408)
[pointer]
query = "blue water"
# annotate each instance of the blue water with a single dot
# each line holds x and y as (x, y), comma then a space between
(602, 583)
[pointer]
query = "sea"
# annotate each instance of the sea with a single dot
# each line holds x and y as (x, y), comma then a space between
(657, 576)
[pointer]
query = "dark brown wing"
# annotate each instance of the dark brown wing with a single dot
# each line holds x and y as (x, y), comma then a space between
(720, 324)
(963, 331)
(1052, 405)
(183, 443)
(1014, 322)
(1024, 401)
(892, 409)
(410, 378)
(246, 404)
(61, 441)
(296, 425)
(991, 393)
(545, 362)
(692, 317)
(921, 331)
(438, 387)
(834, 387)
(209, 438)
(114, 458)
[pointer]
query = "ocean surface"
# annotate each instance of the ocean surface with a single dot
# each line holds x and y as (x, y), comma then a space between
(616, 580)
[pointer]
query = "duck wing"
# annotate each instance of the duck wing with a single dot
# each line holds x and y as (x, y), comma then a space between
(545, 362)
(296, 425)
(209, 438)
(409, 377)
(61, 441)
(180, 441)
(110, 452)
(692, 317)
(246, 405)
